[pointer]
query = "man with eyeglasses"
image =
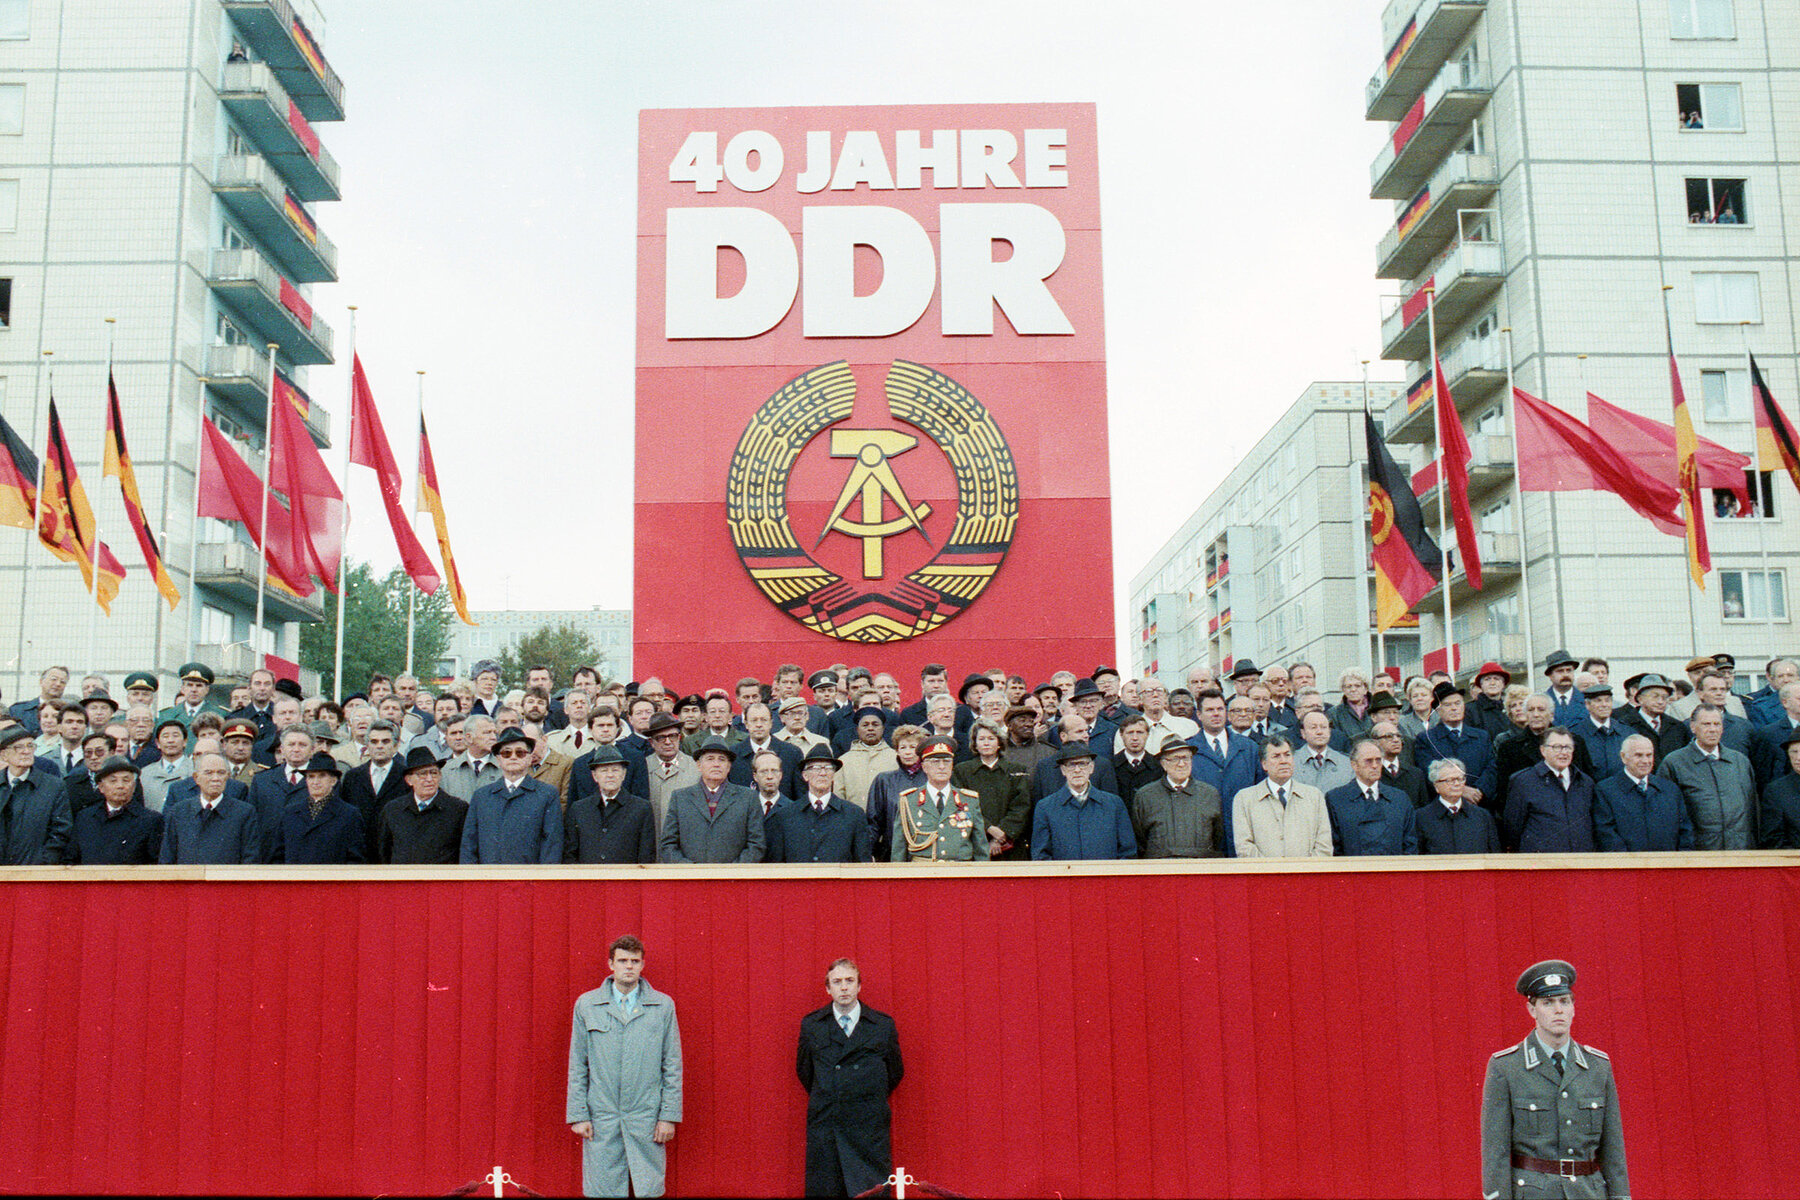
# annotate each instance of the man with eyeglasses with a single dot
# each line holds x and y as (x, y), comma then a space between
(516, 819)
(1396, 770)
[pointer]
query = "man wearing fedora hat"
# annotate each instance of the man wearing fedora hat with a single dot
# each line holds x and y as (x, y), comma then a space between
(1086, 700)
(1650, 716)
(1566, 701)
(1078, 821)
(515, 819)
(714, 820)
(1453, 737)
(608, 825)
(1177, 815)
(1549, 1107)
(667, 769)
(819, 826)
(425, 825)
(322, 829)
(120, 831)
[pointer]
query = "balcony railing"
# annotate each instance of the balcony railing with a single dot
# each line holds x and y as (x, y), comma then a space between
(245, 281)
(1430, 129)
(1490, 462)
(271, 214)
(1417, 47)
(279, 37)
(251, 92)
(232, 569)
(1430, 218)
(1466, 275)
(1475, 371)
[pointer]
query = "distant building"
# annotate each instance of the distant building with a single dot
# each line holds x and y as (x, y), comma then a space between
(609, 627)
(162, 166)
(1273, 565)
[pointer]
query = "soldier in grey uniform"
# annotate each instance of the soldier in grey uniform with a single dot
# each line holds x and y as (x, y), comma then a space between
(1549, 1110)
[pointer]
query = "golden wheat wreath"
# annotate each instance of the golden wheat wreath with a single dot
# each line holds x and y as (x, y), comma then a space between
(872, 610)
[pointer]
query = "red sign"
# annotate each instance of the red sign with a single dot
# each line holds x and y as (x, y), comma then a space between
(871, 392)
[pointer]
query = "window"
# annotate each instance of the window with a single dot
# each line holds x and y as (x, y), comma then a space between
(1498, 519)
(1727, 297)
(12, 108)
(1493, 421)
(1758, 490)
(1714, 106)
(1503, 615)
(1474, 143)
(1725, 396)
(1701, 19)
(5, 304)
(1753, 595)
(228, 334)
(1716, 202)
(231, 239)
(9, 205)
(215, 626)
(235, 146)
(15, 18)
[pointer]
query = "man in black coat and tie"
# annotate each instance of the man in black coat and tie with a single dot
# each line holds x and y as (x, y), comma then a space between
(119, 831)
(849, 1063)
(820, 826)
(271, 791)
(37, 821)
(1451, 823)
(609, 825)
(425, 825)
(1637, 809)
(1649, 716)
(369, 787)
(323, 829)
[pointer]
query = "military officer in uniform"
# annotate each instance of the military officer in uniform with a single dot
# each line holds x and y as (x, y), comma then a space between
(196, 684)
(1549, 1109)
(939, 822)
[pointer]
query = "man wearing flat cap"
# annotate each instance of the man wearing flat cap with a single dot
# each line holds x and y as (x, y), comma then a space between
(938, 821)
(715, 820)
(195, 681)
(514, 819)
(1549, 1108)
(35, 807)
(1697, 669)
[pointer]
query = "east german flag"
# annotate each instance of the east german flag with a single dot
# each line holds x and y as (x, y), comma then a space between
(432, 502)
(18, 480)
(1777, 445)
(66, 521)
(1407, 561)
(1687, 479)
(116, 462)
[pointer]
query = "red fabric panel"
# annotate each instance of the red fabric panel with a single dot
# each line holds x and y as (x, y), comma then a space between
(1156, 1035)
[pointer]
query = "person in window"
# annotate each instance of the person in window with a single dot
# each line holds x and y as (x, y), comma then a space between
(1727, 216)
(238, 53)
(1697, 217)
(1692, 121)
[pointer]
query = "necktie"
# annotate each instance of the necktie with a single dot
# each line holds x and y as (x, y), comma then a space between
(1557, 1058)
(768, 806)
(1219, 747)
(293, 776)
(940, 805)
(1281, 795)
(1643, 787)
(1371, 795)
(844, 1020)
(578, 739)
(819, 807)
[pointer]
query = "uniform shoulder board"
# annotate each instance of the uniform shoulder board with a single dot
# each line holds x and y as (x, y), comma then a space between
(1512, 1049)
(968, 792)
(1594, 1050)
(912, 791)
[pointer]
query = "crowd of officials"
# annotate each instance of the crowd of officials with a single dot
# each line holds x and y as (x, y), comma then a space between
(841, 765)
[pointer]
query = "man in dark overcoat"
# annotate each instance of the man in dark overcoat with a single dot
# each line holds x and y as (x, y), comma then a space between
(849, 1063)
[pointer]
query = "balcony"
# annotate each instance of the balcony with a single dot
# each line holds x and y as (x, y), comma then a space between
(1475, 371)
(1499, 564)
(1464, 279)
(1437, 122)
(1464, 181)
(1507, 649)
(253, 191)
(250, 92)
(231, 570)
(1419, 49)
(1490, 466)
(282, 40)
(274, 307)
(241, 375)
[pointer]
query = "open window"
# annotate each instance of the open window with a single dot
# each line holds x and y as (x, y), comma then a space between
(1715, 106)
(1717, 202)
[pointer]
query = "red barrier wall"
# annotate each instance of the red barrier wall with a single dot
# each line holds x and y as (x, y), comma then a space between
(1228, 1033)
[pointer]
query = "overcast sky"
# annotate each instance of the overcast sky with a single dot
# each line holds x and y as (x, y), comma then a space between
(487, 226)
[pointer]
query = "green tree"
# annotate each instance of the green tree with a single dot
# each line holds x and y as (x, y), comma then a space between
(375, 629)
(562, 648)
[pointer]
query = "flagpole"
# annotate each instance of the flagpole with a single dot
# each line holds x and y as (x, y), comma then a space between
(1512, 428)
(337, 656)
(1360, 506)
(412, 593)
(94, 554)
(47, 376)
(1443, 485)
(262, 524)
(1581, 375)
(1691, 516)
(194, 529)
(1756, 492)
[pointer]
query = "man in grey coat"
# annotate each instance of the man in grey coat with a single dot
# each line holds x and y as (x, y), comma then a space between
(624, 1079)
(714, 821)
(1718, 784)
(1316, 763)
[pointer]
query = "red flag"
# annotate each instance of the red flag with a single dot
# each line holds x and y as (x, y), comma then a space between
(1651, 443)
(432, 502)
(297, 471)
(1456, 455)
(231, 491)
(369, 447)
(117, 463)
(66, 521)
(1687, 468)
(1557, 453)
